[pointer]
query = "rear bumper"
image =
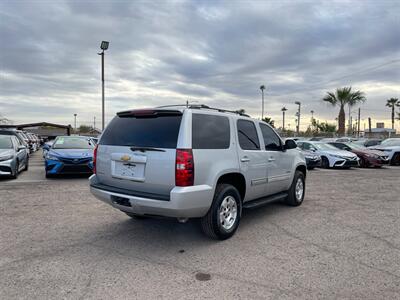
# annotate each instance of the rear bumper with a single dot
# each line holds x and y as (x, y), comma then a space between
(184, 202)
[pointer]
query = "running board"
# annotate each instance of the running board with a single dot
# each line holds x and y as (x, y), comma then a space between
(265, 200)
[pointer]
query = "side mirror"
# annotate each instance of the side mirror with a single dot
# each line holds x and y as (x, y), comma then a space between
(20, 148)
(46, 147)
(290, 144)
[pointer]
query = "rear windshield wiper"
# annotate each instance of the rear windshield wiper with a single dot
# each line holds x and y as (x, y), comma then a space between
(143, 149)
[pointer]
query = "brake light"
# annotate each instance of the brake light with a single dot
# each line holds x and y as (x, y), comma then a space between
(184, 168)
(94, 159)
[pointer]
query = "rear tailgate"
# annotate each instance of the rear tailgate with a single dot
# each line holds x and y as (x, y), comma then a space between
(137, 152)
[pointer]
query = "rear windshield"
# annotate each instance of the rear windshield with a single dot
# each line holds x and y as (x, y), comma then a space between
(157, 132)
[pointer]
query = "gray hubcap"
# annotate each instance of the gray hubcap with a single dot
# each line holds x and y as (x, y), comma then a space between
(228, 212)
(299, 190)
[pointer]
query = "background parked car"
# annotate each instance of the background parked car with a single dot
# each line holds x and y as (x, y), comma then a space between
(331, 157)
(368, 142)
(313, 160)
(70, 155)
(368, 157)
(17, 133)
(13, 156)
(46, 147)
(392, 148)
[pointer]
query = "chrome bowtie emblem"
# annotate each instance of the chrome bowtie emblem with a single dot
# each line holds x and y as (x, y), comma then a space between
(125, 157)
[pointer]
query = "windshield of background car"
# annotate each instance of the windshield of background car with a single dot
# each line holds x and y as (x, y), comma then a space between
(157, 131)
(5, 142)
(391, 142)
(322, 146)
(356, 146)
(72, 143)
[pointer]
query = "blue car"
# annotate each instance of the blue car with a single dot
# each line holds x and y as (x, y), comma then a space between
(70, 155)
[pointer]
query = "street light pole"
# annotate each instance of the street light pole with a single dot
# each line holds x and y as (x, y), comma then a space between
(284, 109)
(262, 88)
(103, 47)
(75, 122)
(298, 116)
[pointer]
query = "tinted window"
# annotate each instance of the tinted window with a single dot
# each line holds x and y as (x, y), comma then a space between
(271, 140)
(247, 133)
(157, 132)
(210, 132)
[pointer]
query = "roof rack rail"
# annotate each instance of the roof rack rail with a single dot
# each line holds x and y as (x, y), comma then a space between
(199, 106)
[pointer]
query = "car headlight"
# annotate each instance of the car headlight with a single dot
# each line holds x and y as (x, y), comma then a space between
(388, 150)
(7, 157)
(372, 155)
(52, 157)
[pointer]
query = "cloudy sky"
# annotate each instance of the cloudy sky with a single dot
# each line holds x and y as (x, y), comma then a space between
(212, 52)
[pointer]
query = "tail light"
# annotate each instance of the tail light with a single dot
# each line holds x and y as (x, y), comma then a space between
(94, 159)
(184, 170)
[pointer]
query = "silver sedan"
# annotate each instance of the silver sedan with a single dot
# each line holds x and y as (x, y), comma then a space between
(14, 156)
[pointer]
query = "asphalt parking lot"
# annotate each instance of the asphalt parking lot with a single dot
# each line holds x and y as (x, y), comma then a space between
(58, 241)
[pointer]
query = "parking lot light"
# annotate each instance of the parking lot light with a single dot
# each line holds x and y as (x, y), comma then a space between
(103, 46)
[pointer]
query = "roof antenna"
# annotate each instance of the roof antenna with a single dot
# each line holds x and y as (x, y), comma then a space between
(187, 102)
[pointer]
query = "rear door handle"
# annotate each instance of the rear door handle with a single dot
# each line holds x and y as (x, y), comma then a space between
(245, 159)
(271, 159)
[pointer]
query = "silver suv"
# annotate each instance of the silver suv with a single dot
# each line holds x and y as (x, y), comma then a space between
(195, 162)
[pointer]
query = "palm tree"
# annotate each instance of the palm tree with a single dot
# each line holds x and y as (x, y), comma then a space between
(269, 121)
(342, 97)
(392, 103)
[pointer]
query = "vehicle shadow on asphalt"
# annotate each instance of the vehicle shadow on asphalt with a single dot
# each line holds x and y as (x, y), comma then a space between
(163, 236)
(68, 176)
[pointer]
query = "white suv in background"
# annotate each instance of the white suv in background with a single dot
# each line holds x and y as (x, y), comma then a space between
(195, 162)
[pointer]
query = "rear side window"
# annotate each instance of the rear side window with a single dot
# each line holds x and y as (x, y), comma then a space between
(247, 133)
(210, 132)
(271, 140)
(157, 132)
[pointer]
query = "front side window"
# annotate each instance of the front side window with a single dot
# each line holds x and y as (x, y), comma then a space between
(210, 132)
(271, 139)
(247, 133)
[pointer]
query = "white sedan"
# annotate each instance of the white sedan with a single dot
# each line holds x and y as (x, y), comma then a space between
(391, 147)
(331, 157)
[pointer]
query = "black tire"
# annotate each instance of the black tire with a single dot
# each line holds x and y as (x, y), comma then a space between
(395, 161)
(211, 224)
(324, 162)
(48, 175)
(363, 163)
(134, 216)
(26, 164)
(293, 199)
(16, 171)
